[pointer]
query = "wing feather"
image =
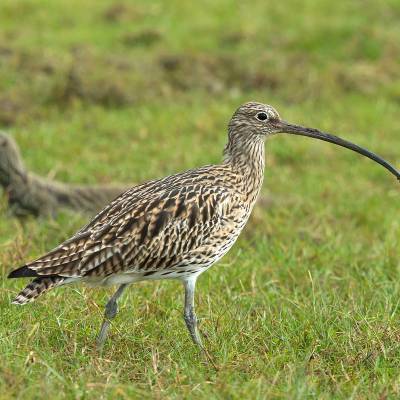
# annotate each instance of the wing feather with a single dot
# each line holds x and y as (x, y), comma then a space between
(141, 230)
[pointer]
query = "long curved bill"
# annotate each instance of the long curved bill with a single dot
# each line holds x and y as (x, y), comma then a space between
(285, 127)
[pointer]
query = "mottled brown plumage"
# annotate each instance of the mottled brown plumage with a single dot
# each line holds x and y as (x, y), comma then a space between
(175, 227)
(167, 228)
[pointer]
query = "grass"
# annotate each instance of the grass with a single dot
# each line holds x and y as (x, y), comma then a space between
(306, 305)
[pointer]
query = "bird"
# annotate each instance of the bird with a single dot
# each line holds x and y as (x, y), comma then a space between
(174, 227)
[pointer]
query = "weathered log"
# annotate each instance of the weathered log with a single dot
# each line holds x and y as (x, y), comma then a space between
(28, 193)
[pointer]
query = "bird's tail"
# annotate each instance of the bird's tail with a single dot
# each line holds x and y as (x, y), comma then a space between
(37, 287)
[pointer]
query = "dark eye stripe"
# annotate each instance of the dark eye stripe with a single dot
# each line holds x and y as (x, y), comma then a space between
(262, 116)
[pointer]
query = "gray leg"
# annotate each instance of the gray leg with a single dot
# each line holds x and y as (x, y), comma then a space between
(189, 315)
(109, 313)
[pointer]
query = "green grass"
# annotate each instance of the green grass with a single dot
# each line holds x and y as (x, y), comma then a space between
(306, 304)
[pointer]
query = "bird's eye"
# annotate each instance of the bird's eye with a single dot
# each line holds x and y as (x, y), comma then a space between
(262, 116)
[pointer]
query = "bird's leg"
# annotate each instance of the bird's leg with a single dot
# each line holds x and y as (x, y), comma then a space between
(109, 313)
(189, 315)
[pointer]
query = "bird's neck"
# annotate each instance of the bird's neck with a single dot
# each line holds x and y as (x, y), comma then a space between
(247, 158)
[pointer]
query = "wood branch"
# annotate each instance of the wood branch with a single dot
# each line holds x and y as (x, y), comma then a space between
(30, 194)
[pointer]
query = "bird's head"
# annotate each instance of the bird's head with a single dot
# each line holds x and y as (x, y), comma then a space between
(255, 121)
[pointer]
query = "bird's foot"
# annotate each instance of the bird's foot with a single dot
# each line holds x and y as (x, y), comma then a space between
(101, 338)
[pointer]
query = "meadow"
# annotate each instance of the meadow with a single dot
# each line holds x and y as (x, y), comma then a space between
(306, 304)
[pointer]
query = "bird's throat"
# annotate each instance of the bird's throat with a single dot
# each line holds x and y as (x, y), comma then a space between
(247, 158)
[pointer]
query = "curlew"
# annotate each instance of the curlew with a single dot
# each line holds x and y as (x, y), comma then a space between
(175, 227)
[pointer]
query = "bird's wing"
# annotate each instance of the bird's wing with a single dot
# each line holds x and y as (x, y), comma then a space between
(153, 230)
